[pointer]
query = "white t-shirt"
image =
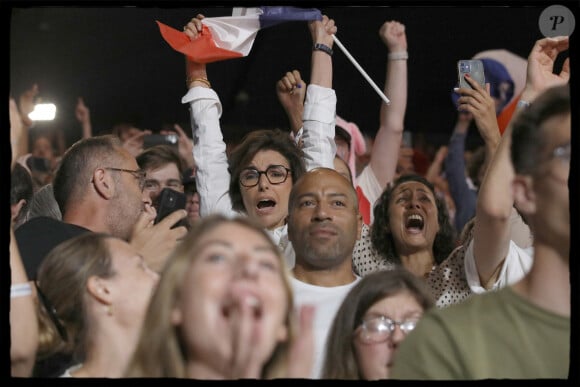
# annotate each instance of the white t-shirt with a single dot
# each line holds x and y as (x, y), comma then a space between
(516, 265)
(327, 301)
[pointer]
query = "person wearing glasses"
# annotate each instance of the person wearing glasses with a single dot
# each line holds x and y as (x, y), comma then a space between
(373, 320)
(262, 169)
(521, 331)
(98, 188)
(164, 169)
(93, 292)
(501, 250)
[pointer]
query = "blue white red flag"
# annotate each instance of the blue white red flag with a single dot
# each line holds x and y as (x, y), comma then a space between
(230, 37)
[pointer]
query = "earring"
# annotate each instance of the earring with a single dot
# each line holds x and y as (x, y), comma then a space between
(110, 310)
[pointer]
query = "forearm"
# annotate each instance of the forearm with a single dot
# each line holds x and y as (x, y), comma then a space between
(494, 206)
(23, 321)
(319, 120)
(87, 129)
(392, 116)
(295, 119)
(321, 69)
(209, 151)
(461, 193)
(387, 142)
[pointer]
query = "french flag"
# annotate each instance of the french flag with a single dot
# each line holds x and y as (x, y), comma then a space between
(231, 37)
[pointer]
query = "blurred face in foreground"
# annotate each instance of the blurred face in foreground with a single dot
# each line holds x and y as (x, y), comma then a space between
(132, 277)
(234, 302)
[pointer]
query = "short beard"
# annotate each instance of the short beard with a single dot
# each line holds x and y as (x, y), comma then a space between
(322, 259)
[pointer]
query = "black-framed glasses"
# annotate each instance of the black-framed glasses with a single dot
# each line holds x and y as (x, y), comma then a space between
(379, 328)
(138, 174)
(276, 174)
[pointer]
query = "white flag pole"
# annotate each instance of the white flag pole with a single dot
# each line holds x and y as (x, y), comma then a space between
(360, 69)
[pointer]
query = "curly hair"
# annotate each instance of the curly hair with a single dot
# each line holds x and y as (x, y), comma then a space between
(254, 142)
(382, 238)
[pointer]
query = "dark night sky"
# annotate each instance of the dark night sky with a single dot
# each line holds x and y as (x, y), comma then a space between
(116, 59)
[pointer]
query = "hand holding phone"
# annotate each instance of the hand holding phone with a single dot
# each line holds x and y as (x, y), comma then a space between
(169, 201)
(473, 67)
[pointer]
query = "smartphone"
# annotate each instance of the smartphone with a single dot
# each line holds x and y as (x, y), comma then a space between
(159, 139)
(473, 67)
(170, 200)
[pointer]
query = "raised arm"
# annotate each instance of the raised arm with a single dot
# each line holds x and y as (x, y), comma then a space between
(23, 321)
(491, 233)
(540, 71)
(20, 124)
(463, 196)
(493, 229)
(387, 142)
(320, 104)
(209, 148)
(18, 132)
(83, 115)
(291, 91)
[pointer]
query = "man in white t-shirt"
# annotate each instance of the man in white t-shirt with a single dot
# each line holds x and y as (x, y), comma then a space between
(323, 225)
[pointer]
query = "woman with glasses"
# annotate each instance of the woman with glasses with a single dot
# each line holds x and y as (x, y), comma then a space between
(375, 317)
(93, 292)
(262, 169)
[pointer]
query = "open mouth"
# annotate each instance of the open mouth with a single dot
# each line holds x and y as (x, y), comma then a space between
(415, 222)
(265, 203)
(253, 302)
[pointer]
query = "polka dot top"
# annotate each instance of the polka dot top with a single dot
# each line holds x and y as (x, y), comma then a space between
(447, 281)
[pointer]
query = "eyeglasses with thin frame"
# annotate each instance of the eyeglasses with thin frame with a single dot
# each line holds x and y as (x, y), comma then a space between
(138, 174)
(379, 328)
(562, 152)
(276, 174)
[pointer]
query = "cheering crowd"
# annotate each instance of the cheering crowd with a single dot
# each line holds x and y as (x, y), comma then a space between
(295, 257)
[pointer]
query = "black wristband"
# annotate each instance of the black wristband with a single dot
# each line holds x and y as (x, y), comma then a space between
(322, 47)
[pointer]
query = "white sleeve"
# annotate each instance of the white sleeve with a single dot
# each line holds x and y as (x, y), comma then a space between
(516, 265)
(318, 127)
(209, 151)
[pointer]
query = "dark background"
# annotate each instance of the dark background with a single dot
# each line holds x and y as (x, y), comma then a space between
(117, 61)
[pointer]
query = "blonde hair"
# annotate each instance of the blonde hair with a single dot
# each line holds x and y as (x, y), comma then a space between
(64, 322)
(160, 352)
